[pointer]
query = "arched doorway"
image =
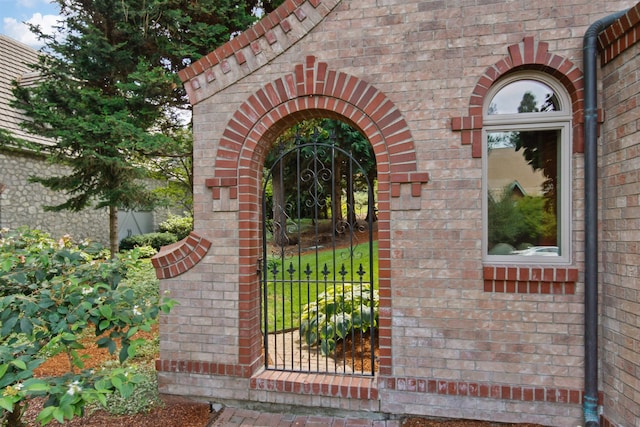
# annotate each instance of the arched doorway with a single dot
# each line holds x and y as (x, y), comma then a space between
(319, 296)
(313, 90)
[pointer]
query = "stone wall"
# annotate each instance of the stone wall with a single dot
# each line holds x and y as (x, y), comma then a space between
(21, 203)
(458, 337)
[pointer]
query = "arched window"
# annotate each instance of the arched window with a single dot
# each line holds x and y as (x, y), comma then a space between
(527, 171)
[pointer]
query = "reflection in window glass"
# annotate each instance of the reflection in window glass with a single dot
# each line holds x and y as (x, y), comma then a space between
(523, 192)
(524, 96)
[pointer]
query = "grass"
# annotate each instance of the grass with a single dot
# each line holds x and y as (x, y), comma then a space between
(297, 284)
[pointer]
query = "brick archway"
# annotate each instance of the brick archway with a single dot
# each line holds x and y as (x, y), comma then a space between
(526, 55)
(311, 91)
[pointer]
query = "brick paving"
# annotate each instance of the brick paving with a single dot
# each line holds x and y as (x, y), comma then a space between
(237, 417)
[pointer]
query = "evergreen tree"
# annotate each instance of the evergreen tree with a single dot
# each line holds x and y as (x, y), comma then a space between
(108, 94)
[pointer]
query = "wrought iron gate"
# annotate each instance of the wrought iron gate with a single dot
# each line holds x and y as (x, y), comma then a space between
(319, 302)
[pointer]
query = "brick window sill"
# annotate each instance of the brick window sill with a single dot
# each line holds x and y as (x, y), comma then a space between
(552, 280)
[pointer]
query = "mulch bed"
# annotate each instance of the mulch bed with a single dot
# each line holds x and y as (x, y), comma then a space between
(176, 412)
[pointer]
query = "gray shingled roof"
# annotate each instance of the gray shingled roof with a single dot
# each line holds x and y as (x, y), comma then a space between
(14, 57)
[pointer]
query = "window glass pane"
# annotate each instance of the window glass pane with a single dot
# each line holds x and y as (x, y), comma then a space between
(524, 96)
(523, 192)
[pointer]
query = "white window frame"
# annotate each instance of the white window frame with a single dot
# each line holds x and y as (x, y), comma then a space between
(552, 120)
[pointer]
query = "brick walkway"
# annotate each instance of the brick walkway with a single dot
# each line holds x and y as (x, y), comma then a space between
(236, 417)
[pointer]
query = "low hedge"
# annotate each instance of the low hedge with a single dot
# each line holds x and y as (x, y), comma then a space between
(155, 240)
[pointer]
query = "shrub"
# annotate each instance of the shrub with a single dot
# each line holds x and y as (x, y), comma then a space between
(140, 276)
(336, 312)
(178, 225)
(155, 240)
(144, 398)
(54, 293)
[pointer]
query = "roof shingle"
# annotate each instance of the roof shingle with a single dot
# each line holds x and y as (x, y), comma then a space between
(14, 60)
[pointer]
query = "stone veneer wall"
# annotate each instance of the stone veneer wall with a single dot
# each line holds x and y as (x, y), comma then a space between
(21, 202)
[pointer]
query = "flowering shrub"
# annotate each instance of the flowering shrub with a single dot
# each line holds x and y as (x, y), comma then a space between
(336, 312)
(52, 293)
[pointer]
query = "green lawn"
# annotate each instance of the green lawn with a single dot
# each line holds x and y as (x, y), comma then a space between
(299, 283)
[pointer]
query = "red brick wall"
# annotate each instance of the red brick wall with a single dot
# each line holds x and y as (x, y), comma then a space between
(458, 338)
(620, 168)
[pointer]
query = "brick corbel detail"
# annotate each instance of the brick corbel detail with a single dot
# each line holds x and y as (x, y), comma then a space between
(272, 35)
(416, 179)
(471, 132)
(526, 55)
(216, 184)
(551, 280)
(175, 259)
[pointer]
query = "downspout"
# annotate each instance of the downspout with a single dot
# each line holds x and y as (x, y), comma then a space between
(590, 53)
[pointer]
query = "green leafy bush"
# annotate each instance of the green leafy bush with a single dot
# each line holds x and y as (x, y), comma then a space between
(155, 240)
(145, 394)
(181, 226)
(336, 312)
(140, 274)
(53, 294)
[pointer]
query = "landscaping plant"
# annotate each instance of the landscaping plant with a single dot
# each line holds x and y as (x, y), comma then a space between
(52, 294)
(180, 226)
(154, 240)
(337, 312)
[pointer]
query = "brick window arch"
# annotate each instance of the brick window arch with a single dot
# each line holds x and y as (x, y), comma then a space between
(527, 55)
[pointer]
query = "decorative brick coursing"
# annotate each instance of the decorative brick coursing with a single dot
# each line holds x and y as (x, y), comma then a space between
(350, 387)
(526, 55)
(356, 387)
(251, 49)
(203, 368)
(530, 280)
(175, 259)
(620, 36)
(483, 390)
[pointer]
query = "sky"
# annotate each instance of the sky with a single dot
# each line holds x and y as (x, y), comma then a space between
(13, 14)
